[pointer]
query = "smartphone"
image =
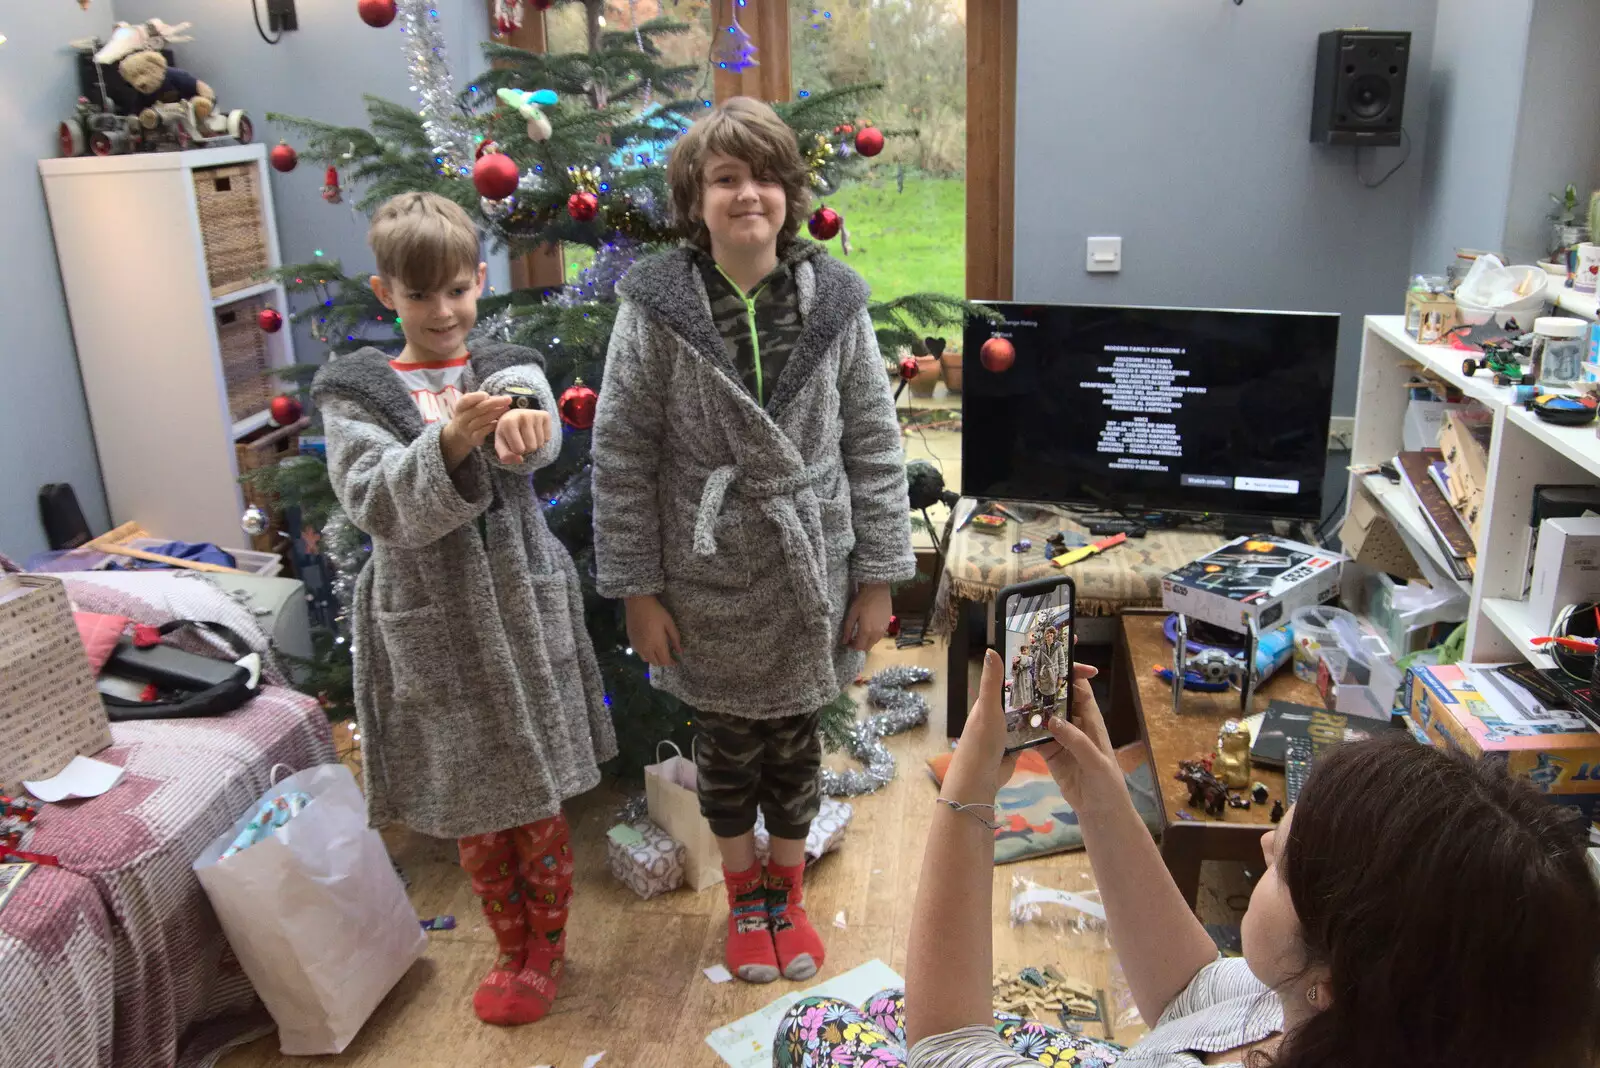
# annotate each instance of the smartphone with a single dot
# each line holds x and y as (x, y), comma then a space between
(1034, 626)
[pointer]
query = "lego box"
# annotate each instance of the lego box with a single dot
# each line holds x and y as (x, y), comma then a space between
(1265, 577)
(1474, 710)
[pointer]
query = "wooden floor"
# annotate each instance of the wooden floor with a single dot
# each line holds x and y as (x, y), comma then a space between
(634, 986)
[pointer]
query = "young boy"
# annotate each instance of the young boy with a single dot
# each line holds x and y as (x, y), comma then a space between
(750, 501)
(477, 691)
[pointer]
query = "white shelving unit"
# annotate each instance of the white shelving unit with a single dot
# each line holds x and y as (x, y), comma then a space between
(1525, 452)
(145, 322)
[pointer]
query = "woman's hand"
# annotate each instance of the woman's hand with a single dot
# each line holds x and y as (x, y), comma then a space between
(1081, 759)
(980, 765)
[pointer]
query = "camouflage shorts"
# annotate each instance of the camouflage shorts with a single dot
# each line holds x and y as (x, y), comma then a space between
(771, 763)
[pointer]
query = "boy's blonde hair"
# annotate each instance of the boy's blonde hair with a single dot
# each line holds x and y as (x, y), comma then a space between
(423, 241)
(747, 130)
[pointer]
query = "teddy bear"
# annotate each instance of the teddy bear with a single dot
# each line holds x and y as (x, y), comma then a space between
(155, 82)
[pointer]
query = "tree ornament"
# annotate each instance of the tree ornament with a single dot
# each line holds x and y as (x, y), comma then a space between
(484, 148)
(583, 206)
(529, 104)
(269, 320)
(577, 406)
(893, 629)
(908, 368)
(844, 128)
(507, 16)
(330, 187)
(824, 223)
(495, 175)
(284, 410)
(377, 13)
(997, 354)
(733, 49)
(869, 141)
(283, 157)
(254, 521)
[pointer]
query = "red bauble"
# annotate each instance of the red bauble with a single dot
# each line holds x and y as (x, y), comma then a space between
(893, 630)
(269, 320)
(494, 175)
(908, 368)
(845, 128)
(583, 206)
(283, 157)
(824, 223)
(869, 142)
(285, 410)
(577, 406)
(377, 13)
(997, 354)
(484, 148)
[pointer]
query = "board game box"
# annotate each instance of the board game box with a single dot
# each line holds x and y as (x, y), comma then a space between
(1265, 577)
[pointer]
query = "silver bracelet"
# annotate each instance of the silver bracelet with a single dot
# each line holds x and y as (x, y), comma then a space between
(959, 807)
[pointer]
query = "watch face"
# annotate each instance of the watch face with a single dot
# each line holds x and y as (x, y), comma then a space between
(1038, 640)
(521, 396)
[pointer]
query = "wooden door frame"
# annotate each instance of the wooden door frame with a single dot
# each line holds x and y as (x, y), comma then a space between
(991, 127)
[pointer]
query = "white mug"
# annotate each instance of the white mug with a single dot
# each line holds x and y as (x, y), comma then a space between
(1586, 272)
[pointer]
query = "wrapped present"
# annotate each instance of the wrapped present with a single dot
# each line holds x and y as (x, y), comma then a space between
(646, 858)
(272, 815)
(826, 834)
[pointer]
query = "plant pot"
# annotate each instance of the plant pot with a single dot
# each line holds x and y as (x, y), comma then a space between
(952, 371)
(927, 377)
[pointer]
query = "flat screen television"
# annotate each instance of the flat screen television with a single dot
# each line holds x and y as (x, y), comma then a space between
(1151, 409)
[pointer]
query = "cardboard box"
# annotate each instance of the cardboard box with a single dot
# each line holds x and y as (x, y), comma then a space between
(1566, 567)
(1370, 537)
(1464, 440)
(1471, 710)
(1266, 578)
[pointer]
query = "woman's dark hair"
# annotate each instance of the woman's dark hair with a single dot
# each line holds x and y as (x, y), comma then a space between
(1454, 909)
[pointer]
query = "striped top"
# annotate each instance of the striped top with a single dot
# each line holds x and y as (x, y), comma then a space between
(1223, 1007)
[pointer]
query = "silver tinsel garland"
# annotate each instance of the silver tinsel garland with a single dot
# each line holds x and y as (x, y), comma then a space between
(442, 116)
(345, 548)
(598, 281)
(902, 710)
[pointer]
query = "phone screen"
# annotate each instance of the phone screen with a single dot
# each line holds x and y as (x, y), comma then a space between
(1035, 625)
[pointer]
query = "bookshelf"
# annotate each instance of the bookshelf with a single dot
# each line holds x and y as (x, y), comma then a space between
(1524, 452)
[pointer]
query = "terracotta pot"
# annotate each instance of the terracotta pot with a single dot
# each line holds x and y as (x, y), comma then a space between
(952, 371)
(927, 376)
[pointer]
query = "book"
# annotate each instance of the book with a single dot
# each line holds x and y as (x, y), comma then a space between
(1321, 727)
(1452, 535)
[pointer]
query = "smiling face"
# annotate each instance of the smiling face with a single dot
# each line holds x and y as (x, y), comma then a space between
(435, 321)
(743, 210)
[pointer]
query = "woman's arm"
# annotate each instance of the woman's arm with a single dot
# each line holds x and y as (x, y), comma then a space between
(950, 962)
(1159, 943)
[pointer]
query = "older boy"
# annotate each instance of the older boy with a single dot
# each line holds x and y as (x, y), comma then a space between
(477, 691)
(750, 501)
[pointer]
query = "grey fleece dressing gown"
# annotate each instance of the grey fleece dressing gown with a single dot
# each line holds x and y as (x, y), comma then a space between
(754, 525)
(477, 691)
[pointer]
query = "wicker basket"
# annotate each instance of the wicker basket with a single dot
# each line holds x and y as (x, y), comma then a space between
(266, 447)
(244, 358)
(231, 225)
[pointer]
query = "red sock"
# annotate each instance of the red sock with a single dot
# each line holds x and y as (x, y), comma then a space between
(799, 946)
(750, 954)
(544, 851)
(501, 998)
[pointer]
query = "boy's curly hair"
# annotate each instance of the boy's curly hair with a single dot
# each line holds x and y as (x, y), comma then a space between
(423, 241)
(747, 130)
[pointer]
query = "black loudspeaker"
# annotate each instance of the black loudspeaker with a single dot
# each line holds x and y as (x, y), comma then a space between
(1361, 87)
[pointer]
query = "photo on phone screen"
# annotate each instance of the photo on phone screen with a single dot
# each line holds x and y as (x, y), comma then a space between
(1034, 625)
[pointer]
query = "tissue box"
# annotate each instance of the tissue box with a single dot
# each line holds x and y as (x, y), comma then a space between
(645, 858)
(826, 834)
(1264, 577)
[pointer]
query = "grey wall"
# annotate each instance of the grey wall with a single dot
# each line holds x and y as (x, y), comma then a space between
(1558, 132)
(320, 71)
(44, 422)
(1184, 127)
(1478, 67)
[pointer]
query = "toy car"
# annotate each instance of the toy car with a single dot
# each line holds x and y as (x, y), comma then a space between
(188, 129)
(1504, 359)
(102, 133)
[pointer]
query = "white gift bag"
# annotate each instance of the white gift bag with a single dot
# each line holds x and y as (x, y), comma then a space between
(315, 912)
(671, 796)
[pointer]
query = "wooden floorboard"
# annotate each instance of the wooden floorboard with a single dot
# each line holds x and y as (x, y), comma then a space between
(634, 986)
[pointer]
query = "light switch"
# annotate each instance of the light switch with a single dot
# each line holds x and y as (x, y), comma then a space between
(1105, 254)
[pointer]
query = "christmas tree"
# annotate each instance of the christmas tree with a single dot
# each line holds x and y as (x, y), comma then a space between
(545, 148)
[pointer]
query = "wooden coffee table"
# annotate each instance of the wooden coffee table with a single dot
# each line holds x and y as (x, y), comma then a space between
(1189, 835)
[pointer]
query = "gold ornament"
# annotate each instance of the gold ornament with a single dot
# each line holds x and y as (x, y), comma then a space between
(1233, 755)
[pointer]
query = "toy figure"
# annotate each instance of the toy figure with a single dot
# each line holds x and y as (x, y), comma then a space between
(1205, 792)
(1233, 755)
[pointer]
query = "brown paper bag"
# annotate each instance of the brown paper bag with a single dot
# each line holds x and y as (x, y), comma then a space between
(670, 795)
(50, 710)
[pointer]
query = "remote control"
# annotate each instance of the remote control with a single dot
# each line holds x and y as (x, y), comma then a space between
(1296, 766)
(1117, 526)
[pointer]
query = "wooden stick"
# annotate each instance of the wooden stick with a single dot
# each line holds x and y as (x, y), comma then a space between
(110, 542)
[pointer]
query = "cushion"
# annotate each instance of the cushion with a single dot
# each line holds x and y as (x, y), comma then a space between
(100, 635)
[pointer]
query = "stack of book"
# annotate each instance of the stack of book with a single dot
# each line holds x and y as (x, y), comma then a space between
(1427, 477)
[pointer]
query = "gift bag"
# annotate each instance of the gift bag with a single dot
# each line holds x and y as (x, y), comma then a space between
(50, 710)
(314, 911)
(669, 792)
(824, 836)
(645, 858)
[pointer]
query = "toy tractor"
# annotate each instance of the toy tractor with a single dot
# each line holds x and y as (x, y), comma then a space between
(97, 131)
(1504, 360)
